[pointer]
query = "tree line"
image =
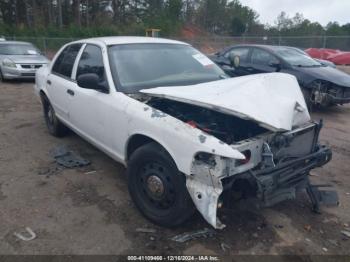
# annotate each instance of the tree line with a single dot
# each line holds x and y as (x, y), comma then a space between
(78, 18)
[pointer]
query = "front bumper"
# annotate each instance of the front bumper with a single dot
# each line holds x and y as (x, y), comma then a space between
(281, 182)
(18, 73)
(330, 99)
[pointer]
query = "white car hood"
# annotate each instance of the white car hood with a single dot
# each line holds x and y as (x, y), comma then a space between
(273, 100)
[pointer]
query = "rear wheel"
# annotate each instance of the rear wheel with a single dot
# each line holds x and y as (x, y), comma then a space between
(157, 187)
(54, 125)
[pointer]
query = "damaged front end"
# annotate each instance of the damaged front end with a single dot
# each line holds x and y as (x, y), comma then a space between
(280, 147)
(276, 164)
(325, 93)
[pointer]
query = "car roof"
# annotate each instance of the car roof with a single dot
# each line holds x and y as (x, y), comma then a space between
(14, 42)
(267, 47)
(119, 40)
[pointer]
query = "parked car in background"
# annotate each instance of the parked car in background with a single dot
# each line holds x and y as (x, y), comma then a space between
(321, 61)
(321, 85)
(188, 134)
(20, 60)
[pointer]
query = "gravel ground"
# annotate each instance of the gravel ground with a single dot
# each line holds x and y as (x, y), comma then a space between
(76, 211)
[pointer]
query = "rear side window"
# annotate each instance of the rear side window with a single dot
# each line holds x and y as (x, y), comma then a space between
(242, 52)
(65, 61)
(261, 57)
(91, 61)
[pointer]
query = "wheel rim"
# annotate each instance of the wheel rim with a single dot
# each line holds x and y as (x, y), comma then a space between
(156, 186)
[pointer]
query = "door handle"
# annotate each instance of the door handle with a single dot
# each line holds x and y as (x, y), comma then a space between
(48, 82)
(70, 92)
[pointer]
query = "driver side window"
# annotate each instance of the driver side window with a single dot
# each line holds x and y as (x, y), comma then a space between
(91, 61)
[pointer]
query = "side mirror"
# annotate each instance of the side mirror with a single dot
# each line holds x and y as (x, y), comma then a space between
(234, 60)
(91, 81)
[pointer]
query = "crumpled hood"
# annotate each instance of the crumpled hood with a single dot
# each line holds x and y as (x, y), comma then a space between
(273, 100)
(327, 73)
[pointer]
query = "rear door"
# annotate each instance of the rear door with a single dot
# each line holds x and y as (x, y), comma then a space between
(60, 82)
(263, 61)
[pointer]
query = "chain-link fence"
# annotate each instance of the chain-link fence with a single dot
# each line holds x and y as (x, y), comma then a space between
(212, 44)
(50, 45)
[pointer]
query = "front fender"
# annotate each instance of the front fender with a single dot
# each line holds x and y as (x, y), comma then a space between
(181, 140)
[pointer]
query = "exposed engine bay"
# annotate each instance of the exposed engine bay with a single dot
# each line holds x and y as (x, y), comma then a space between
(227, 128)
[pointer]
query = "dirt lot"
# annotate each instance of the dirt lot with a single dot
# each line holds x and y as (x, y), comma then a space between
(76, 212)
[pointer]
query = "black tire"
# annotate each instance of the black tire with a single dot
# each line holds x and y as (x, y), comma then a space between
(167, 203)
(54, 125)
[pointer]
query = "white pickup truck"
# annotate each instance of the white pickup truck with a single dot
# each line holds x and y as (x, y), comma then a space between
(186, 133)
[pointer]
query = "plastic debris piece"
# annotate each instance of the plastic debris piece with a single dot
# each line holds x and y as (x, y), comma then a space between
(68, 159)
(346, 233)
(224, 247)
(25, 238)
(146, 230)
(203, 233)
(90, 172)
(307, 227)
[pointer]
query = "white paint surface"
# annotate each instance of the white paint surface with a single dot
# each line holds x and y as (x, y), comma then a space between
(273, 100)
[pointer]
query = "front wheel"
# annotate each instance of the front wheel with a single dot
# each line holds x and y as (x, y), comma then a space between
(54, 125)
(157, 187)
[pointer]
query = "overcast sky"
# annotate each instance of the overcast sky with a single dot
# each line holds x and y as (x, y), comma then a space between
(321, 11)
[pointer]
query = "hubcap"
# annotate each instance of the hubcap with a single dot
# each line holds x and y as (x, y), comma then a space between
(155, 185)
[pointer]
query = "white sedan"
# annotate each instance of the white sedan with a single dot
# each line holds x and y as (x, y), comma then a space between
(186, 133)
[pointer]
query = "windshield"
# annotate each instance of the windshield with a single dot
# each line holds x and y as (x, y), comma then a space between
(141, 66)
(296, 58)
(18, 49)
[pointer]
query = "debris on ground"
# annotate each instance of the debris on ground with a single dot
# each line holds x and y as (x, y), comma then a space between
(333, 242)
(307, 227)
(25, 238)
(152, 238)
(50, 171)
(90, 172)
(203, 233)
(325, 249)
(146, 230)
(224, 247)
(67, 158)
(346, 233)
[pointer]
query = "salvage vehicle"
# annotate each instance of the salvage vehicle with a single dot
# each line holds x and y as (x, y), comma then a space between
(20, 60)
(321, 85)
(185, 131)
